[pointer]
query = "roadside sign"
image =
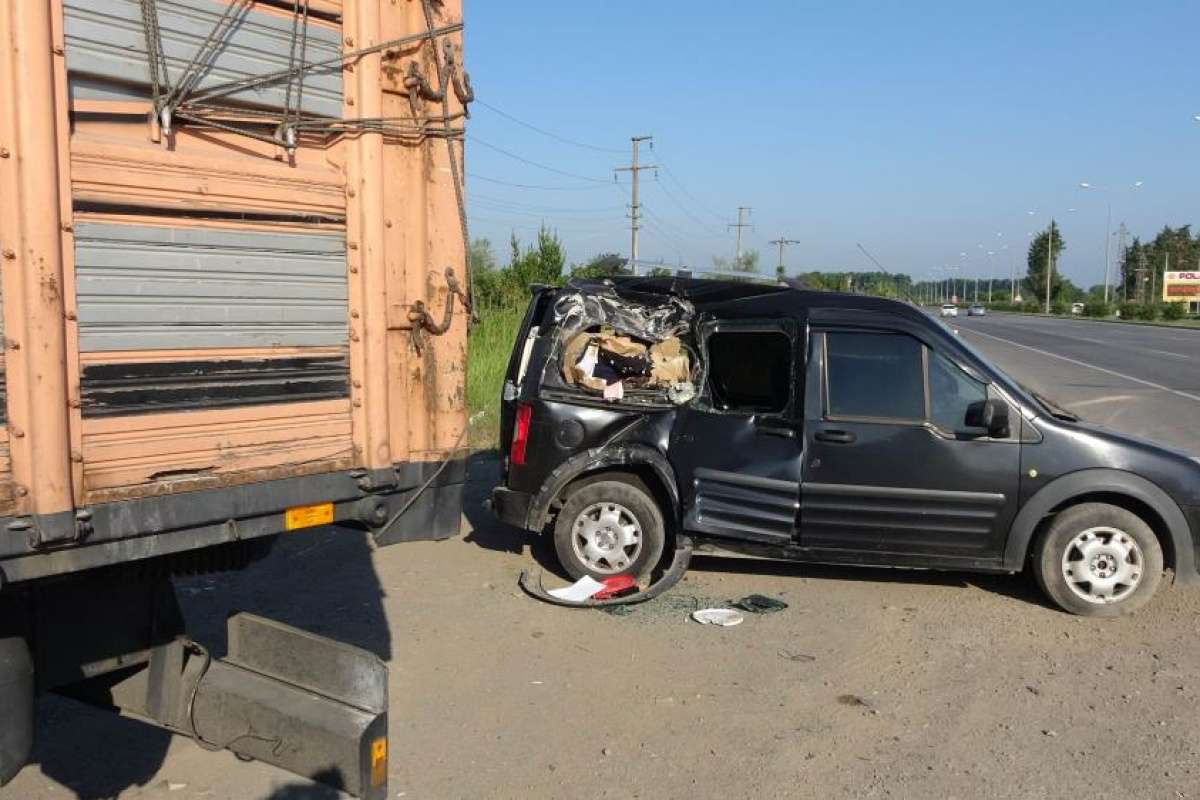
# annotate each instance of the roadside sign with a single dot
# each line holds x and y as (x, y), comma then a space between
(1181, 287)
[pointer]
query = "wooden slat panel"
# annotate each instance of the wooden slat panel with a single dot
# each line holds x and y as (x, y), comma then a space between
(115, 163)
(161, 453)
(6, 476)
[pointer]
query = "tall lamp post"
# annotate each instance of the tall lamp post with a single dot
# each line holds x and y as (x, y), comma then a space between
(1049, 255)
(1107, 226)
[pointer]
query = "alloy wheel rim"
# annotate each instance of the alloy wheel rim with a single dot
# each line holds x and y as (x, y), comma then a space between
(607, 538)
(1103, 565)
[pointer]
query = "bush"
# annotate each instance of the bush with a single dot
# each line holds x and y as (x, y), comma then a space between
(1173, 311)
(1098, 308)
(1129, 310)
(1059, 307)
(1031, 307)
(1148, 312)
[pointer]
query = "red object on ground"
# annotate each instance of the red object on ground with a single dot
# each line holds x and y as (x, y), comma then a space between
(616, 586)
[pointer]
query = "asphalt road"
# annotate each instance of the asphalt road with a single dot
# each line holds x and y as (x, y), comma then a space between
(1138, 379)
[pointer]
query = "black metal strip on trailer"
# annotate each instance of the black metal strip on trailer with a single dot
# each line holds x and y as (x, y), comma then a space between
(149, 527)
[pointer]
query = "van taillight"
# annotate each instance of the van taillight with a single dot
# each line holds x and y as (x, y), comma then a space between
(516, 454)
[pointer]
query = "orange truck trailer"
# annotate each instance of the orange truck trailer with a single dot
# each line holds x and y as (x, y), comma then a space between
(232, 251)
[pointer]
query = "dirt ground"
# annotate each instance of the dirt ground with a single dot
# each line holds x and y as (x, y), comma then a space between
(873, 683)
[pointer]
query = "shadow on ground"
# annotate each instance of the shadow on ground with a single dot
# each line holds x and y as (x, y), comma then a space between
(492, 534)
(321, 580)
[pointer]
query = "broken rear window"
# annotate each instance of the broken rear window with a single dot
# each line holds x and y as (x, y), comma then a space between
(750, 371)
(623, 348)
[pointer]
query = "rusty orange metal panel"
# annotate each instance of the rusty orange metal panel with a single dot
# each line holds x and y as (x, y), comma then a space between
(427, 398)
(363, 96)
(158, 453)
(116, 163)
(31, 249)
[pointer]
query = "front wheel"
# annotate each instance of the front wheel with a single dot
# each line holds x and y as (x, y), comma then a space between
(610, 527)
(1099, 560)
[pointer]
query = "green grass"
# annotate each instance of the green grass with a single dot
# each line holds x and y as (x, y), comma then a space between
(488, 349)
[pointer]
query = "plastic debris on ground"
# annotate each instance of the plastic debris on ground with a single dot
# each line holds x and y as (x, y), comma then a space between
(578, 591)
(725, 617)
(759, 604)
(617, 586)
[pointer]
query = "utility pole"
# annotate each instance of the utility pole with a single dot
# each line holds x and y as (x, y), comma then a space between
(635, 208)
(1141, 277)
(1124, 258)
(1049, 262)
(1107, 246)
(741, 223)
(783, 242)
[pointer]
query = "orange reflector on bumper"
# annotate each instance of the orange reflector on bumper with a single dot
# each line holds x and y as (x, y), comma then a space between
(307, 516)
(379, 770)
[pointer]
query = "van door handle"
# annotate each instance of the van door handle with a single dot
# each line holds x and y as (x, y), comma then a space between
(836, 437)
(775, 430)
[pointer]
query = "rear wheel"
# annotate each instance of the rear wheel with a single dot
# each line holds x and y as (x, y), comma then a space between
(1099, 560)
(610, 527)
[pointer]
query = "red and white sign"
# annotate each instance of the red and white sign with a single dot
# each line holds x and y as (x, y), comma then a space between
(1181, 287)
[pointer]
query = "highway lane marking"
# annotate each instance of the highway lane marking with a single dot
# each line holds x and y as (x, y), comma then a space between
(1168, 353)
(1128, 329)
(1096, 400)
(1078, 363)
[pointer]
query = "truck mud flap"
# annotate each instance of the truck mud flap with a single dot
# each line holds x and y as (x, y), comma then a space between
(16, 706)
(301, 702)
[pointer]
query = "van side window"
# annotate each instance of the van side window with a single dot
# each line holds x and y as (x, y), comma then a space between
(750, 371)
(875, 375)
(951, 391)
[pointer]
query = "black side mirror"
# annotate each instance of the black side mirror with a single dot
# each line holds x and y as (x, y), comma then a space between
(990, 416)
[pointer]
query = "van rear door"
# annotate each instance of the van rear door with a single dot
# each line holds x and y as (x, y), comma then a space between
(517, 381)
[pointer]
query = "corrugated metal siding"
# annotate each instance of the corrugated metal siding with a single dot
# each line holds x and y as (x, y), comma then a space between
(106, 51)
(147, 288)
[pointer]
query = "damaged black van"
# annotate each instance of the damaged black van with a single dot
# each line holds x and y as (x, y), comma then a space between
(821, 427)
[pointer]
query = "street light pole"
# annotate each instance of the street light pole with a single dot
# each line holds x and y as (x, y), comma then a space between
(1049, 262)
(1108, 230)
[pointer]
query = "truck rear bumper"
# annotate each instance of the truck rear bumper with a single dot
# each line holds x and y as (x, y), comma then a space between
(16, 700)
(429, 494)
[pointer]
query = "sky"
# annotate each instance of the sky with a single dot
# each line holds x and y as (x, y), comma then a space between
(920, 131)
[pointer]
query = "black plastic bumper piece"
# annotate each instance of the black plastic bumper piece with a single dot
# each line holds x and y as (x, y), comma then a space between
(511, 507)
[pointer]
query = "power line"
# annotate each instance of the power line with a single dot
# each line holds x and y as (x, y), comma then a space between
(545, 132)
(549, 209)
(699, 222)
(527, 161)
(683, 189)
(499, 182)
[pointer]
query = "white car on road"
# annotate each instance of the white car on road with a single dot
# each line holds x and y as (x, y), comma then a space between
(949, 310)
